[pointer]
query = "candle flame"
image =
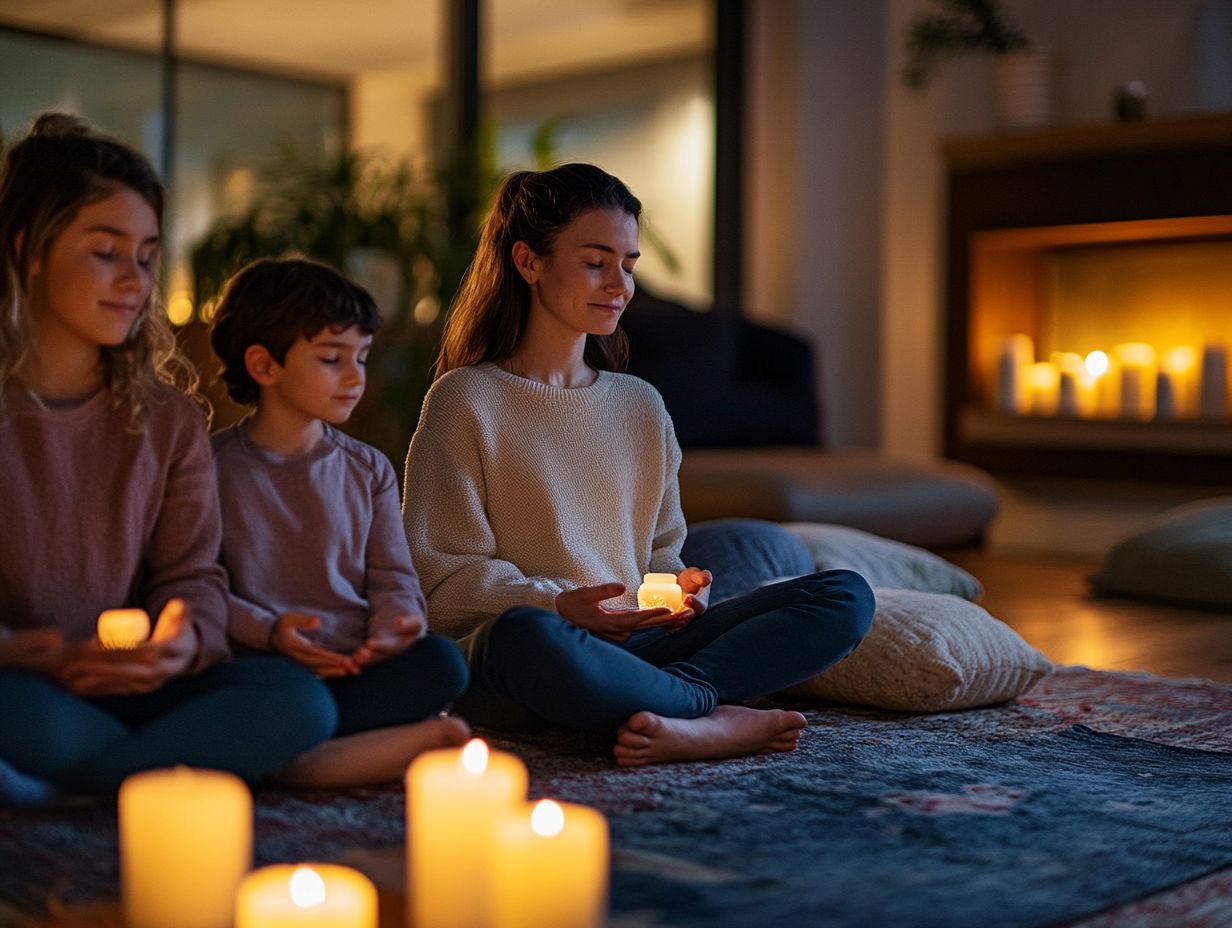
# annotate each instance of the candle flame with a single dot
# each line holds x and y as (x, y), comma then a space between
(1097, 363)
(475, 756)
(307, 888)
(547, 818)
(1181, 359)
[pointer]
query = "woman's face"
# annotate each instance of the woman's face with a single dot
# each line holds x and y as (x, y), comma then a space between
(93, 279)
(585, 283)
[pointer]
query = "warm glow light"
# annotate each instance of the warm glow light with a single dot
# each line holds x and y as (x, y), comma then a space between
(209, 309)
(426, 310)
(547, 819)
(1181, 359)
(1097, 363)
(474, 757)
(180, 308)
(307, 888)
(658, 591)
(1042, 376)
(123, 629)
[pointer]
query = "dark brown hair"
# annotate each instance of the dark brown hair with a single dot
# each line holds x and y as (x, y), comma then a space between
(488, 317)
(273, 301)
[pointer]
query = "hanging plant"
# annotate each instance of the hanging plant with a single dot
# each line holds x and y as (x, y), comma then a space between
(958, 27)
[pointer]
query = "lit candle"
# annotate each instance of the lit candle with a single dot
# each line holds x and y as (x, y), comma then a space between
(1042, 386)
(1176, 392)
(1013, 357)
(658, 590)
(1107, 397)
(456, 799)
(1137, 365)
(185, 843)
(123, 629)
(1076, 386)
(552, 871)
(306, 896)
(1213, 389)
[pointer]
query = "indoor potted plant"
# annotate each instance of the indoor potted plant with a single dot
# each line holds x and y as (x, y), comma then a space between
(1023, 71)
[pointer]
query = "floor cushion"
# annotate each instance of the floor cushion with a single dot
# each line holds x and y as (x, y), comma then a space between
(1183, 556)
(882, 562)
(935, 504)
(744, 554)
(931, 652)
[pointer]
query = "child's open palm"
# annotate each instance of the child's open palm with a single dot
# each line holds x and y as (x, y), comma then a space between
(406, 630)
(288, 638)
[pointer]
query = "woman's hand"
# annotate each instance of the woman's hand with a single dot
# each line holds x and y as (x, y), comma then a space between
(32, 649)
(695, 583)
(92, 670)
(288, 638)
(583, 607)
(406, 631)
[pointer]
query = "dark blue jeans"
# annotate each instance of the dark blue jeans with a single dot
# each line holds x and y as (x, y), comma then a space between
(250, 716)
(531, 668)
(415, 685)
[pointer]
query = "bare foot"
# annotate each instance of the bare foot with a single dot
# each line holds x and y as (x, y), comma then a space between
(370, 757)
(729, 731)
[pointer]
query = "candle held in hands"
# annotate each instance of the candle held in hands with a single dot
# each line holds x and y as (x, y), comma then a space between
(123, 629)
(659, 590)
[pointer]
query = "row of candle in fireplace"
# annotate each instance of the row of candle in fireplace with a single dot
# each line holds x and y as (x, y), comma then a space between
(1131, 381)
(478, 855)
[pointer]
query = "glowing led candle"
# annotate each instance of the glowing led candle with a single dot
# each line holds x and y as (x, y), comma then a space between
(1015, 354)
(306, 896)
(123, 629)
(1107, 394)
(185, 844)
(1138, 368)
(659, 590)
(1213, 387)
(1042, 386)
(552, 871)
(456, 800)
(1176, 390)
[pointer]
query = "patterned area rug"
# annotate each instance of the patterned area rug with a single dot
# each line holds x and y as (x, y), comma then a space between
(1089, 796)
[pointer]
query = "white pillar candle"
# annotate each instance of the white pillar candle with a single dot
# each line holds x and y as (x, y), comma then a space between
(1213, 388)
(1042, 381)
(658, 590)
(1181, 366)
(456, 800)
(306, 896)
(185, 844)
(123, 629)
(1136, 361)
(1166, 399)
(552, 871)
(1014, 355)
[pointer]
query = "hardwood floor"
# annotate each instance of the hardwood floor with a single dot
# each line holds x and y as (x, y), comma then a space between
(1046, 599)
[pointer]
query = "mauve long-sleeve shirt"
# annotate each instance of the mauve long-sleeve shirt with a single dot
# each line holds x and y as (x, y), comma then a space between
(319, 533)
(96, 516)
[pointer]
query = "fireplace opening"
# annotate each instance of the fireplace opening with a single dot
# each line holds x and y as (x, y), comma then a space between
(1089, 305)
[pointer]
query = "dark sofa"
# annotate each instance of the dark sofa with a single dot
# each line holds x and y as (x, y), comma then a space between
(743, 399)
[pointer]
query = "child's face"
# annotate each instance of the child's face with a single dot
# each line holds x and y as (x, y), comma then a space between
(322, 377)
(94, 279)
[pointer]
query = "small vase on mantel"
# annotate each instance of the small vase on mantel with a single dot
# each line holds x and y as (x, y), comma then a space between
(1025, 82)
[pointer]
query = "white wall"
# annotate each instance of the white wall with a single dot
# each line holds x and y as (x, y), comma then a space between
(816, 89)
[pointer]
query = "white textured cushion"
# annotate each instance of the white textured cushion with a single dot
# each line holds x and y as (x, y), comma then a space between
(883, 563)
(929, 652)
(1185, 555)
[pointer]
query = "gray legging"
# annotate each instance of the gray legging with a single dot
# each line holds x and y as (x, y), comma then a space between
(531, 668)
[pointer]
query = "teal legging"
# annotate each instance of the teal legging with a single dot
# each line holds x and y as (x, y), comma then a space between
(530, 667)
(250, 716)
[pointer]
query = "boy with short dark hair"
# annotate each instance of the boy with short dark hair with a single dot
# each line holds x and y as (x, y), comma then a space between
(312, 528)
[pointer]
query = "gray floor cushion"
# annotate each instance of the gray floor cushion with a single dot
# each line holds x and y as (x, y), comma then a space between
(1184, 556)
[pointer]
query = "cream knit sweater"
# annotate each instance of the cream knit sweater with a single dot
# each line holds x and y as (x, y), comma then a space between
(516, 491)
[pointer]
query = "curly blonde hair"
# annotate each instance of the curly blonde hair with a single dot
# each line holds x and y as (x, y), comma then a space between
(60, 166)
